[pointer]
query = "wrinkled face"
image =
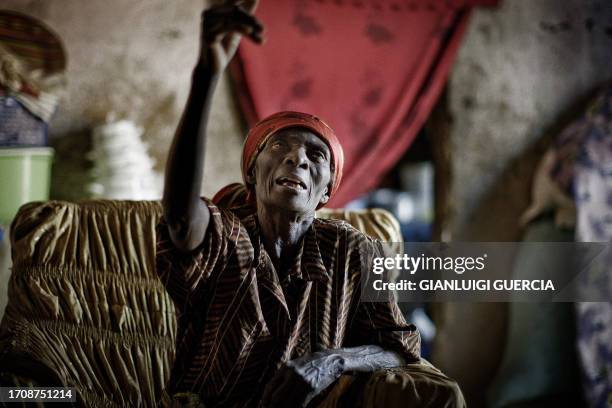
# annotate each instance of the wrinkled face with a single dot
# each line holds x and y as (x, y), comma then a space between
(292, 172)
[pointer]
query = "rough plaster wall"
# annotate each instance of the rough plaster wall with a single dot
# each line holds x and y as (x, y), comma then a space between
(134, 58)
(520, 67)
(520, 70)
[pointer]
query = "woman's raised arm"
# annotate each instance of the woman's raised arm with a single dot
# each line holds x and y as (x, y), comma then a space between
(186, 214)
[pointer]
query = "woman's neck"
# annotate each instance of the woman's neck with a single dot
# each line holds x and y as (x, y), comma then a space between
(282, 231)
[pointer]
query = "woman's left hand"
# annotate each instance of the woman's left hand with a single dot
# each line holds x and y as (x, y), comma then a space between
(298, 381)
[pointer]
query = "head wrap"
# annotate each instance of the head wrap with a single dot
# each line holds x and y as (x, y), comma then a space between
(259, 135)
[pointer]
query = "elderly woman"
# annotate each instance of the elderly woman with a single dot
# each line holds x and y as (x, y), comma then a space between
(267, 295)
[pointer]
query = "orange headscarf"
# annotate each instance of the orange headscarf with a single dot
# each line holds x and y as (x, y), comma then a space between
(236, 194)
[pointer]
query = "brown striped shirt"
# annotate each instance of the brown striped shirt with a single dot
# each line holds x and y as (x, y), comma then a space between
(238, 322)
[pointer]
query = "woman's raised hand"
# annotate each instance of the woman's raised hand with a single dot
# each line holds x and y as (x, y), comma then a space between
(222, 28)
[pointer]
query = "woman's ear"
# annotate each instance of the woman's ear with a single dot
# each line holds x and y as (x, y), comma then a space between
(325, 197)
(250, 176)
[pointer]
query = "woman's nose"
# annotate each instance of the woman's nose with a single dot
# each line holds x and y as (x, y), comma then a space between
(297, 157)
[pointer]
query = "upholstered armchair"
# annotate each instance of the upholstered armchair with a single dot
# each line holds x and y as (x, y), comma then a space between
(87, 310)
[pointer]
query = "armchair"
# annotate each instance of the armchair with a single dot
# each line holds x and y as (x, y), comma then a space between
(87, 310)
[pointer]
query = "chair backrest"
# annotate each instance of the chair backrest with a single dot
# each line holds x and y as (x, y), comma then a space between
(85, 301)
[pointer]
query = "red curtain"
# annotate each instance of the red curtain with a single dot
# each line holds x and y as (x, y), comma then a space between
(371, 69)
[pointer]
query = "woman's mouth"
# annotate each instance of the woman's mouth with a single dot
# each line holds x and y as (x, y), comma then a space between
(292, 183)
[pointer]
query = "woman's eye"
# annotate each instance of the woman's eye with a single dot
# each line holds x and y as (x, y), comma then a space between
(319, 156)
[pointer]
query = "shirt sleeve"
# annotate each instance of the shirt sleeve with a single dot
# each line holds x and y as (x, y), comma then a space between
(183, 273)
(382, 322)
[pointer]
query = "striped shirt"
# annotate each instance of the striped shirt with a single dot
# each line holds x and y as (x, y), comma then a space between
(238, 323)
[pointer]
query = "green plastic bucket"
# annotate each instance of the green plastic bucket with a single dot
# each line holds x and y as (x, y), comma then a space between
(25, 175)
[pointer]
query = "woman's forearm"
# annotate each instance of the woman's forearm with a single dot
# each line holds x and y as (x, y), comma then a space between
(316, 371)
(369, 358)
(186, 214)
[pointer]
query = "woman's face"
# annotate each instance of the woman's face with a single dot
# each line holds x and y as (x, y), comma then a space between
(292, 172)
